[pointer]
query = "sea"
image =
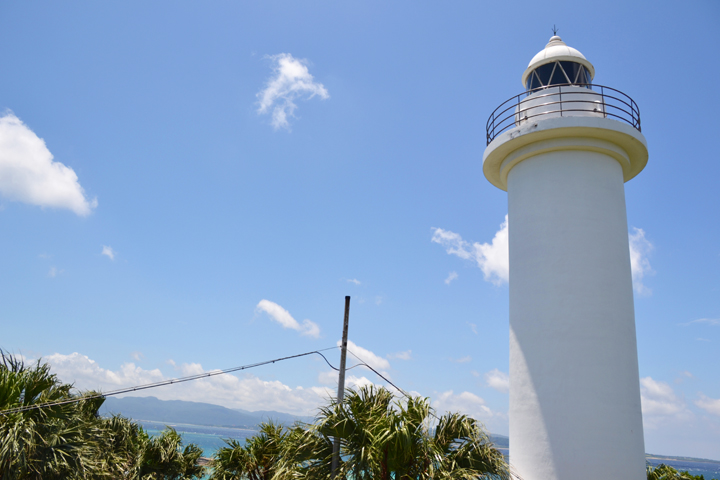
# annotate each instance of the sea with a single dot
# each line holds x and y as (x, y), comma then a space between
(210, 439)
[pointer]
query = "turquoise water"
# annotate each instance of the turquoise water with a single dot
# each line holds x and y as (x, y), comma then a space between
(210, 439)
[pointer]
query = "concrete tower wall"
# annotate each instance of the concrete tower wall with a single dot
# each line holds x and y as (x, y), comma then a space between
(574, 387)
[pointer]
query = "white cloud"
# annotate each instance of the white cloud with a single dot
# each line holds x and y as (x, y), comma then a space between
(375, 361)
(473, 327)
(53, 272)
(86, 374)
(248, 392)
(108, 252)
(283, 317)
(28, 173)
(380, 364)
(465, 402)
(353, 280)
(330, 378)
(659, 403)
(358, 382)
(378, 300)
(452, 276)
(137, 356)
(640, 249)
(492, 258)
(498, 380)
(707, 321)
(290, 81)
(710, 405)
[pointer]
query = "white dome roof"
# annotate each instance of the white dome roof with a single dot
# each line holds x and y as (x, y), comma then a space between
(556, 50)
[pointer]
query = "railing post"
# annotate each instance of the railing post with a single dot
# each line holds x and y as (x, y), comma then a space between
(560, 93)
(602, 99)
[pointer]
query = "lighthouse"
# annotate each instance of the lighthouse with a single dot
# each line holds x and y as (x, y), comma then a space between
(563, 150)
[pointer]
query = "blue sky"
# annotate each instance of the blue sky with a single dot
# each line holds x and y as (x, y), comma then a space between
(226, 172)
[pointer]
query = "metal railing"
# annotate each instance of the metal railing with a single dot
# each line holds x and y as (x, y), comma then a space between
(579, 100)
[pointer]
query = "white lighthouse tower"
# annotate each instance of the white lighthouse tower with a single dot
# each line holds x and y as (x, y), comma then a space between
(563, 150)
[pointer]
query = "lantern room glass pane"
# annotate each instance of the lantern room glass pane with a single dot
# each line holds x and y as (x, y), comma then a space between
(533, 82)
(588, 79)
(544, 72)
(574, 72)
(559, 73)
(558, 77)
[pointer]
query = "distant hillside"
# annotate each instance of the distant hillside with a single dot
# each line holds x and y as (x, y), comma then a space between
(500, 441)
(193, 413)
(207, 414)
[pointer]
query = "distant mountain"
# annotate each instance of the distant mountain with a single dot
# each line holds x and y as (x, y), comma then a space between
(207, 414)
(279, 417)
(193, 413)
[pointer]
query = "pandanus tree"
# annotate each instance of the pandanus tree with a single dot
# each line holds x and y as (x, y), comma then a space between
(48, 443)
(666, 472)
(383, 439)
(164, 458)
(66, 438)
(257, 459)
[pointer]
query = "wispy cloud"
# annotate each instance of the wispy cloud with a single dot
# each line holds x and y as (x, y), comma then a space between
(108, 252)
(406, 355)
(137, 356)
(640, 249)
(465, 359)
(710, 405)
(28, 173)
(353, 280)
(283, 317)
(452, 276)
(660, 403)
(53, 272)
(291, 80)
(498, 380)
(705, 321)
(492, 258)
(683, 376)
(473, 327)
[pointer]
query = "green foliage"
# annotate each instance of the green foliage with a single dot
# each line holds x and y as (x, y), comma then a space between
(380, 438)
(53, 442)
(71, 441)
(666, 472)
(256, 460)
(164, 458)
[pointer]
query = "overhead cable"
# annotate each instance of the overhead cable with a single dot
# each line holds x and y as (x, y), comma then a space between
(164, 382)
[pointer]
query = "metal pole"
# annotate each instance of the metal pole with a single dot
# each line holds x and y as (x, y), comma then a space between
(341, 384)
